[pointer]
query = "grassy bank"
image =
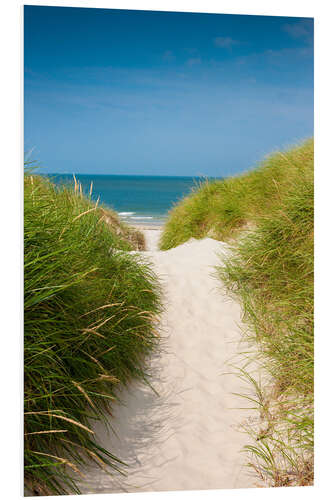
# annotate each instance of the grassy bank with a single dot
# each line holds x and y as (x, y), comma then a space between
(90, 312)
(271, 273)
(223, 208)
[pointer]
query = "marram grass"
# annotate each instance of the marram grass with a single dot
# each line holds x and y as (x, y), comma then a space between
(267, 217)
(271, 272)
(90, 312)
(221, 209)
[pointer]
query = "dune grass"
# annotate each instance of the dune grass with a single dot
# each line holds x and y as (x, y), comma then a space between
(271, 271)
(221, 209)
(267, 216)
(90, 313)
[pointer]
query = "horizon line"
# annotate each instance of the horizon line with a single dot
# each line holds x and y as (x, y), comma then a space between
(131, 175)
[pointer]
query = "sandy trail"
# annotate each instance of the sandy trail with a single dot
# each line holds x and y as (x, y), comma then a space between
(188, 436)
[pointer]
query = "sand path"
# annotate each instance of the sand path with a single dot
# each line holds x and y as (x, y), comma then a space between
(188, 436)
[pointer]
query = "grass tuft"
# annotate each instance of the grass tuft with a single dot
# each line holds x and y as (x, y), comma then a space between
(271, 272)
(90, 312)
(222, 209)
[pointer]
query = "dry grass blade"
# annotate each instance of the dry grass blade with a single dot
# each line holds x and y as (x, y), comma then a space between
(109, 378)
(106, 351)
(62, 417)
(95, 361)
(90, 330)
(84, 213)
(45, 432)
(62, 460)
(102, 307)
(97, 459)
(84, 393)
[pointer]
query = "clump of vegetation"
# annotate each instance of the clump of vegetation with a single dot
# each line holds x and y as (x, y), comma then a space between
(90, 317)
(270, 271)
(132, 235)
(221, 209)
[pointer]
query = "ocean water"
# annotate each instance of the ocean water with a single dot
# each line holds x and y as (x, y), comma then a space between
(139, 200)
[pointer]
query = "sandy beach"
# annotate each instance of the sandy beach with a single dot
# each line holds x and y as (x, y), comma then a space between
(185, 434)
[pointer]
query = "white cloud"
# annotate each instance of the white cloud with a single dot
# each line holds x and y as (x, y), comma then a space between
(225, 42)
(302, 29)
(193, 61)
(168, 56)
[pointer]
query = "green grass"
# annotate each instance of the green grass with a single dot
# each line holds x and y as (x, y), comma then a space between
(90, 312)
(270, 272)
(223, 208)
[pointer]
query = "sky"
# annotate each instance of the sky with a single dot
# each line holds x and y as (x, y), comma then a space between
(162, 93)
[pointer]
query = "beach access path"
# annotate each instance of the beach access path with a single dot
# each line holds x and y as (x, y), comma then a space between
(186, 435)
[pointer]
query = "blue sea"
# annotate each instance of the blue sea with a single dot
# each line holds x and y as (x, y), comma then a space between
(139, 200)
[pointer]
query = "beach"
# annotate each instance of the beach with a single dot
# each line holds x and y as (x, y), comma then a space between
(168, 251)
(184, 432)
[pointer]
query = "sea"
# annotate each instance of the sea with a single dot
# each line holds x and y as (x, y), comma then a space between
(138, 199)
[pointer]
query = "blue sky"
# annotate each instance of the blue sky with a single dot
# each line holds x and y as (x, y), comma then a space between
(156, 93)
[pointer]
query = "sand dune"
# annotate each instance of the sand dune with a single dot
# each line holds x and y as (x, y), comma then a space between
(187, 437)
